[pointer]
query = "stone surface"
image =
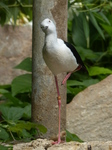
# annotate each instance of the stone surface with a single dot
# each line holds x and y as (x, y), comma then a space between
(15, 45)
(38, 144)
(95, 145)
(43, 144)
(89, 115)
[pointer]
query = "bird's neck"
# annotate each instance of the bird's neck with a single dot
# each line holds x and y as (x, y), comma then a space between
(51, 38)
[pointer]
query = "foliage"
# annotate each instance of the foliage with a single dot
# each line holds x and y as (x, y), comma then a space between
(2, 147)
(90, 30)
(72, 137)
(15, 11)
(15, 108)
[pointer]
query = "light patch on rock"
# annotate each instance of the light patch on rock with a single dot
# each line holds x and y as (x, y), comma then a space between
(89, 115)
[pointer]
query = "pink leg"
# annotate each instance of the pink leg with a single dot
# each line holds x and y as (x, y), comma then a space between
(59, 106)
(69, 74)
(66, 78)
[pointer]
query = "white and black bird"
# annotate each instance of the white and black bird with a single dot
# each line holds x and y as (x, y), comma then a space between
(60, 56)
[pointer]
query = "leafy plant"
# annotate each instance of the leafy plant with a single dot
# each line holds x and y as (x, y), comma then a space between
(15, 108)
(15, 11)
(89, 29)
(2, 147)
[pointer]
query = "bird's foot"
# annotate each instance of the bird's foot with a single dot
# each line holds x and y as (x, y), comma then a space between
(57, 142)
(59, 139)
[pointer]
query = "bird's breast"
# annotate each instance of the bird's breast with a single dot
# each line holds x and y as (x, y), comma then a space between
(59, 59)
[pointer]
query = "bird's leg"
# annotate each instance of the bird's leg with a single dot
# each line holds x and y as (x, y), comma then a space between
(69, 74)
(59, 106)
(66, 78)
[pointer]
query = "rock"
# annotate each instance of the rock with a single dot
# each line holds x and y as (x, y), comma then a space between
(95, 145)
(43, 144)
(39, 144)
(15, 45)
(89, 115)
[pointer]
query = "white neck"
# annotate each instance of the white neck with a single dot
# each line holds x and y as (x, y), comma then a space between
(51, 38)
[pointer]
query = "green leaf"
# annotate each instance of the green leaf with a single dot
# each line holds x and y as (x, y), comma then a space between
(20, 130)
(2, 17)
(107, 28)
(84, 83)
(27, 112)
(21, 84)
(25, 134)
(15, 129)
(93, 20)
(41, 128)
(12, 100)
(2, 147)
(3, 134)
(70, 14)
(89, 82)
(73, 83)
(74, 91)
(3, 91)
(11, 114)
(78, 34)
(26, 64)
(86, 27)
(72, 137)
(93, 71)
(27, 126)
(104, 17)
(5, 86)
(5, 7)
(14, 13)
(87, 53)
(101, 17)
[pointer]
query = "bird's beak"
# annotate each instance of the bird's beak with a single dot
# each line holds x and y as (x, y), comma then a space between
(44, 28)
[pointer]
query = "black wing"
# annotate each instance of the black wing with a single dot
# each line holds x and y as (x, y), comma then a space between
(76, 54)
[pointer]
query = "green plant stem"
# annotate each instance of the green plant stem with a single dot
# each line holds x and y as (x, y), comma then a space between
(88, 42)
(12, 135)
(18, 5)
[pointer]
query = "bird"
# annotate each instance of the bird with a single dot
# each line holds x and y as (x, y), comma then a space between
(60, 56)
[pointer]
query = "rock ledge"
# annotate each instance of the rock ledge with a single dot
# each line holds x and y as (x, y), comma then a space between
(44, 144)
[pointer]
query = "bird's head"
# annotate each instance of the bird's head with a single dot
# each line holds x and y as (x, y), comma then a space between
(47, 26)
